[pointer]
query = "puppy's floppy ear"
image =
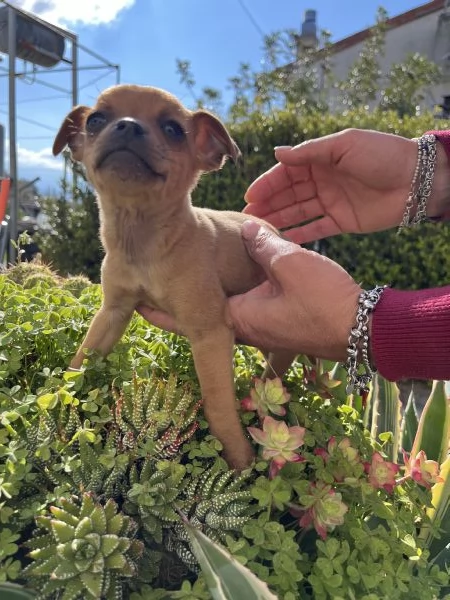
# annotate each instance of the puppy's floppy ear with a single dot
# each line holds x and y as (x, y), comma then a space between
(71, 133)
(212, 141)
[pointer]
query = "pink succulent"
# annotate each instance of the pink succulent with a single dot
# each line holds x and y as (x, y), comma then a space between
(279, 442)
(323, 453)
(382, 473)
(267, 396)
(345, 447)
(424, 472)
(342, 449)
(325, 509)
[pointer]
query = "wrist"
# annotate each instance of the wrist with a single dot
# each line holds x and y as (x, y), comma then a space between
(342, 324)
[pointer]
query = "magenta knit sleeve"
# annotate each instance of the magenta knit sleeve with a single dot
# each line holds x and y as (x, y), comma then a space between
(411, 334)
(444, 138)
(411, 330)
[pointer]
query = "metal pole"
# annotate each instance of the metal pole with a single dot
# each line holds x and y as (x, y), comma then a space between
(2, 151)
(74, 101)
(14, 198)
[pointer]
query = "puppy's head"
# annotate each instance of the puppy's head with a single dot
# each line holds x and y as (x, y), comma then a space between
(139, 137)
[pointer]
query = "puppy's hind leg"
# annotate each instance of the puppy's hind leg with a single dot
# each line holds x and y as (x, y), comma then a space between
(277, 363)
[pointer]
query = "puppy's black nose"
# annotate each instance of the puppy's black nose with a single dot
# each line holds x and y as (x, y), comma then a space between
(130, 127)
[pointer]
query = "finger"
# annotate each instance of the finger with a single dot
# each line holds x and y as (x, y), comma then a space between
(243, 309)
(274, 180)
(295, 214)
(298, 192)
(324, 150)
(311, 232)
(159, 319)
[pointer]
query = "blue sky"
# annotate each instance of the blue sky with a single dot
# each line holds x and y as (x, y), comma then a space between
(146, 37)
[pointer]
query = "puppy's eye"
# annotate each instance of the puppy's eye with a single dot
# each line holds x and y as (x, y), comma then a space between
(173, 130)
(95, 122)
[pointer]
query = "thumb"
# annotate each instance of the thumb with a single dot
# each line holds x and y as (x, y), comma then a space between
(265, 246)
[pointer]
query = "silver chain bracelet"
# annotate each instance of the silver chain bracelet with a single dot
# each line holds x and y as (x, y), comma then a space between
(426, 177)
(422, 182)
(358, 342)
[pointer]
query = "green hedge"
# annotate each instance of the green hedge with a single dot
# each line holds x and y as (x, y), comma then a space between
(415, 259)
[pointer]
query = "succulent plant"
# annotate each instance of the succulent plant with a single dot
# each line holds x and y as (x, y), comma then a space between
(39, 279)
(76, 284)
(156, 416)
(21, 271)
(153, 493)
(215, 502)
(84, 550)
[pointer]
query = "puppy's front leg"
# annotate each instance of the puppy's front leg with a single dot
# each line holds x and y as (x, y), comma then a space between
(105, 330)
(213, 357)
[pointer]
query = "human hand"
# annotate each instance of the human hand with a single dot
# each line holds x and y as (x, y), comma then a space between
(307, 304)
(355, 181)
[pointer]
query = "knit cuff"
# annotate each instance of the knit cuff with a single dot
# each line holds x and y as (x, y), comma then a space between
(443, 137)
(411, 334)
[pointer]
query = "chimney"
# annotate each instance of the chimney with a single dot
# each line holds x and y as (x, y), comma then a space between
(308, 36)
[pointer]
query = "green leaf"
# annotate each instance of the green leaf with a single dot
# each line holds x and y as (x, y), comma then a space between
(72, 589)
(108, 544)
(98, 519)
(386, 415)
(87, 505)
(410, 423)
(115, 561)
(65, 570)
(334, 581)
(63, 515)
(93, 582)
(11, 591)
(114, 524)
(433, 432)
(225, 577)
(47, 401)
(84, 527)
(439, 514)
(443, 558)
(62, 531)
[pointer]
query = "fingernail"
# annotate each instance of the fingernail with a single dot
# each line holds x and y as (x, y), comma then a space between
(250, 229)
(282, 148)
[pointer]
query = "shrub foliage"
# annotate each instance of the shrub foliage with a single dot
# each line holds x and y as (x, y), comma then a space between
(97, 465)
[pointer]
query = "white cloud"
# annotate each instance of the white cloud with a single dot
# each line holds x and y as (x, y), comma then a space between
(43, 159)
(33, 159)
(70, 12)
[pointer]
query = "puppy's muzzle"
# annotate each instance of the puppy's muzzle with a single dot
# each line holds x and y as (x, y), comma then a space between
(128, 129)
(126, 149)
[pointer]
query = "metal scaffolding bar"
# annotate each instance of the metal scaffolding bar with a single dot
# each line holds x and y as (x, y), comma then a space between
(14, 196)
(72, 93)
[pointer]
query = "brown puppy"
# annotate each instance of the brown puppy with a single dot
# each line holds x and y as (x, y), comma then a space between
(144, 152)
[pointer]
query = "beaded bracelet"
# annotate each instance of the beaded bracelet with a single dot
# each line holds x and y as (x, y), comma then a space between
(422, 182)
(358, 342)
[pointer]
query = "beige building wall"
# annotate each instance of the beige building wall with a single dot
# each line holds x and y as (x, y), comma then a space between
(428, 35)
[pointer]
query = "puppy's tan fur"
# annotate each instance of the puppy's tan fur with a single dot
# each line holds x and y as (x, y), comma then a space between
(144, 152)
